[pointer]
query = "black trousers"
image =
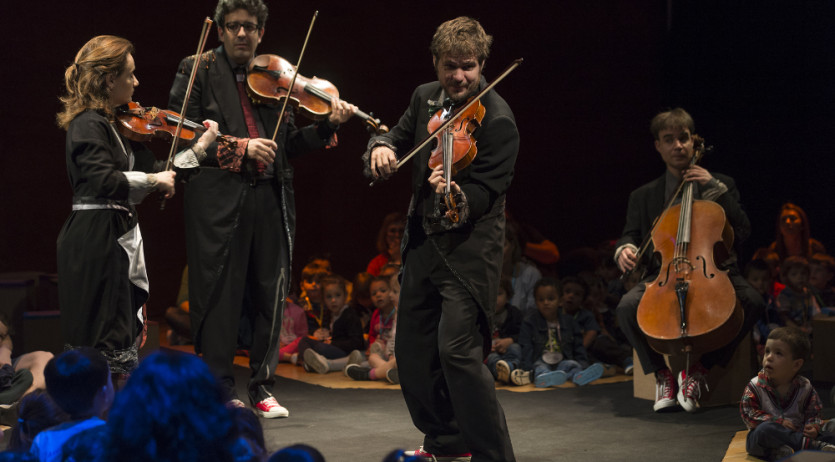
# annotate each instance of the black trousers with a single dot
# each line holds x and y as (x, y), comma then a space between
(449, 391)
(652, 361)
(257, 269)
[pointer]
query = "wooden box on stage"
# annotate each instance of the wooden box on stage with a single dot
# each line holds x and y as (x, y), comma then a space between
(725, 383)
(823, 348)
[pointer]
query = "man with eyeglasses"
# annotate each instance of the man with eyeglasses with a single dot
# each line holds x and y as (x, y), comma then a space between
(239, 208)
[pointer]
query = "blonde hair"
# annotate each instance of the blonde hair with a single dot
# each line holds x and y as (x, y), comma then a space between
(86, 78)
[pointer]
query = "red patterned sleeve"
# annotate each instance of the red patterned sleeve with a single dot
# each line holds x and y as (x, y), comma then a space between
(231, 152)
(749, 409)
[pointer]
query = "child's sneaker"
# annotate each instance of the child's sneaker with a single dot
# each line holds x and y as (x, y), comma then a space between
(393, 376)
(550, 379)
(818, 445)
(356, 357)
(588, 375)
(357, 372)
(316, 362)
(503, 370)
(628, 366)
(429, 457)
(520, 377)
(781, 452)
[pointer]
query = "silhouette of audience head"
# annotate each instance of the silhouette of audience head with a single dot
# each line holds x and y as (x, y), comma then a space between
(36, 412)
(172, 409)
(79, 382)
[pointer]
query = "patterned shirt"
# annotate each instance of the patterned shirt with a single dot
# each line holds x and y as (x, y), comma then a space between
(761, 403)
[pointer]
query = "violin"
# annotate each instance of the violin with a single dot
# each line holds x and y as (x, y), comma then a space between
(691, 306)
(139, 123)
(269, 77)
(455, 146)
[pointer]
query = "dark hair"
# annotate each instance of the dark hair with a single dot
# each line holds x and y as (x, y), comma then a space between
(386, 279)
(86, 446)
(795, 338)
(672, 119)
(779, 245)
(171, 409)
(756, 264)
(362, 283)
(390, 219)
(824, 260)
(36, 412)
(256, 8)
(248, 427)
(792, 262)
(73, 379)
(573, 280)
(547, 282)
(334, 279)
(297, 453)
(507, 284)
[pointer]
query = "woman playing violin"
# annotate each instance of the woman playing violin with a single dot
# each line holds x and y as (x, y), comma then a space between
(451, 269)
(103, 284)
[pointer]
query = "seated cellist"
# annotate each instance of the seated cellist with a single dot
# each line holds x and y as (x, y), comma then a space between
(673, 133)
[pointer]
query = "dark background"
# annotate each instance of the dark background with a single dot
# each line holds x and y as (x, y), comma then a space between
(756, 76)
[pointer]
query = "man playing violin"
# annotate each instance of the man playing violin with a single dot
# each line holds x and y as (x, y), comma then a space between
(451, 270)
(673, 133)
(239, 207)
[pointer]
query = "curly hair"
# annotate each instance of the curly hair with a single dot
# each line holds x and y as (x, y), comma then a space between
(256, 8)
(462, 36)
(171, 409)
(86, 78)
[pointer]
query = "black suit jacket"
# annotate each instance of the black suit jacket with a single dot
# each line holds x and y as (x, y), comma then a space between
(647, 202)
(473, 251)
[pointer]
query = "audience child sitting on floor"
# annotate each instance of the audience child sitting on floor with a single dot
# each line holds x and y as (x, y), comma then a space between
(758, 274)
(293, 329)
(329, 354)
(821, 278)
(795, 305)
(598, 344)
(382, 364)
(552, 344)
(80, 384)
(361, 299)
(781, 408)
(310, 297)
(506, 353)
(36, 413)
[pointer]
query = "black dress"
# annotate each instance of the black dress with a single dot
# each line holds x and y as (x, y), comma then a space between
(102, 283)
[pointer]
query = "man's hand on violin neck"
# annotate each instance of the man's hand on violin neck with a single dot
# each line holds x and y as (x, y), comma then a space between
(261, 149)
(341, 111)
(383, 162)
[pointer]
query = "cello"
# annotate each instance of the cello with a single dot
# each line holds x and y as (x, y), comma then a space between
(691, 307)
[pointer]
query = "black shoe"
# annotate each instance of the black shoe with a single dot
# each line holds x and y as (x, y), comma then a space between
(393, 376)
(357, 372)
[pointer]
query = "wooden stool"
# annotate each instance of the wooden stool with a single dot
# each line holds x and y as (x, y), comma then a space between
(724, 384)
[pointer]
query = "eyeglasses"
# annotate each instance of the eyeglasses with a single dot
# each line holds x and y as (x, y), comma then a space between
(234, 27)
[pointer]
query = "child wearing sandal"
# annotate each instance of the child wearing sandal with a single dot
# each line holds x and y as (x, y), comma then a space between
(552, 344)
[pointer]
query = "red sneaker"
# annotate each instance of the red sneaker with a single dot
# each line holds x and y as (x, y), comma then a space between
(689, 388)
(429, 457)
(270, 409)
(665, 390)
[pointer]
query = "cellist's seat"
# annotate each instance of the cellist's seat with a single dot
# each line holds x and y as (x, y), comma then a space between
(726, 383)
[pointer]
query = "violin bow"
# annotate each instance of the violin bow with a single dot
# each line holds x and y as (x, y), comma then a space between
(454, 117)
(204, 34)
(293, 80)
